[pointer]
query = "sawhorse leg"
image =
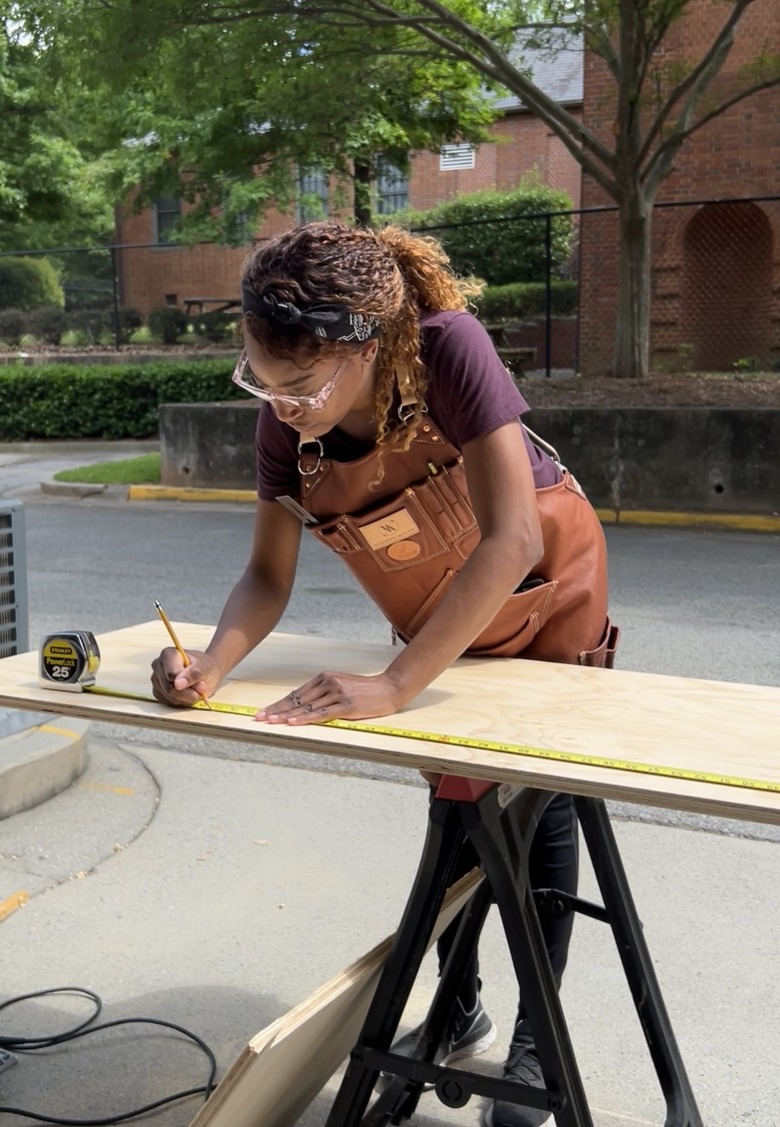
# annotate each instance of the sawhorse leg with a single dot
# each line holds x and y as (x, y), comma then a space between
(502, 838)
(681, 1109)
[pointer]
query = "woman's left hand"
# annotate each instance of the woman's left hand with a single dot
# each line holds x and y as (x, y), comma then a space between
(334, 696)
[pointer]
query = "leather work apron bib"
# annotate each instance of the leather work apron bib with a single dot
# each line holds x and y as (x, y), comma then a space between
(405, 538)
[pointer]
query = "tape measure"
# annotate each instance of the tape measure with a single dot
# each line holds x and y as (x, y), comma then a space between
(484, 745)
(69, 660)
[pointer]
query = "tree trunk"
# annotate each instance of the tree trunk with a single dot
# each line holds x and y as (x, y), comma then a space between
(362, 179)
(632, 338)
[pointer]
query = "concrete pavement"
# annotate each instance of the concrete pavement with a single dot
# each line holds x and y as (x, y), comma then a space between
(217, 893)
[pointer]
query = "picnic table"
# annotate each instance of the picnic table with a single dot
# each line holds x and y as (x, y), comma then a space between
(221, 304)
(516, 358)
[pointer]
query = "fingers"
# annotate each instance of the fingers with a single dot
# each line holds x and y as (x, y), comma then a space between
(322, 698)
(173, 683)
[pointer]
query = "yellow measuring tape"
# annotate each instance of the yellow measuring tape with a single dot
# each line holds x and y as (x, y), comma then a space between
(483, 745)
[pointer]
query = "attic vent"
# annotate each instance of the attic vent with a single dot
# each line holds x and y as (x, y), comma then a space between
(454, 157)
(13, 580)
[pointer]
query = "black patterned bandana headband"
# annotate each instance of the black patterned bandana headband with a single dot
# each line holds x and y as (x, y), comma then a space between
(332, 322)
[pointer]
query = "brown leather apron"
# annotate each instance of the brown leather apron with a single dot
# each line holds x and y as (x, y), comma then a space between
(405, 538)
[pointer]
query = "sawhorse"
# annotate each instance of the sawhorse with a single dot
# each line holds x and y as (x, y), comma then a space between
(499, 821)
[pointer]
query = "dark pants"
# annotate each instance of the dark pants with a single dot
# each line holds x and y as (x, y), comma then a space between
(553, 863)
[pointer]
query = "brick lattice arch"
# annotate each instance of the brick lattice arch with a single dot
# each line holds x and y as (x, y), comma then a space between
(727, 285)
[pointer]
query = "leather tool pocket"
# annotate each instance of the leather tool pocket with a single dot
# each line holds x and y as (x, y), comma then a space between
(517, 623)
(425, 521)
(603, 657)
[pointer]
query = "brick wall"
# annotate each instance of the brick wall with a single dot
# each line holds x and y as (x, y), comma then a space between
(716, 269)
(153, 276)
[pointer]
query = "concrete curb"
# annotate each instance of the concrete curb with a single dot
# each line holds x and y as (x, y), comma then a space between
(741, 522)
(80, 489)
(40, 761)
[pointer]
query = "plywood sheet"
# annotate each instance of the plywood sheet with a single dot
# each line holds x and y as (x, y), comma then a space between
(286, 1064)
(683, 723)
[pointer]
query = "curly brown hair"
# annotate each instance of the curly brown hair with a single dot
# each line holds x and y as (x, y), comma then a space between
(388, 275)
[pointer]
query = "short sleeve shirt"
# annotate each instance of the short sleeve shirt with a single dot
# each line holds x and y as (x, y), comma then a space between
(469, 394)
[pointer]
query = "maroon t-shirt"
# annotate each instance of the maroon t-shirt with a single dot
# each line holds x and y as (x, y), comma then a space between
(469, 393)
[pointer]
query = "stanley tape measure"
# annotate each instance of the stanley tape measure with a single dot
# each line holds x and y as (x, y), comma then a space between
(70, 661)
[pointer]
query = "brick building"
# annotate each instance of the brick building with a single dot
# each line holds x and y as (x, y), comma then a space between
(153, 272)
(715, 290)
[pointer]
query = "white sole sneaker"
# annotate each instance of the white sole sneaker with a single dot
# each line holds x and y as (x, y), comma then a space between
(473, 1050)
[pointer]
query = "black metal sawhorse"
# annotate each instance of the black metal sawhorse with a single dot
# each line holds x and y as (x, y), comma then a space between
(499, 821)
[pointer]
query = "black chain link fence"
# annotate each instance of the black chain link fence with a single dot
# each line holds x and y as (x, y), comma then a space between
(715, 289)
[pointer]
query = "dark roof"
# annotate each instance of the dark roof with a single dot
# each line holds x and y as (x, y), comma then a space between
(557, 70)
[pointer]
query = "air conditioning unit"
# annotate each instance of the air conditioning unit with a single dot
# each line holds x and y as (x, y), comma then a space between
(14, 613)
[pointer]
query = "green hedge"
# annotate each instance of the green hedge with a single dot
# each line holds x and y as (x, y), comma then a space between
(526, 299)
(492, 234)
(27, 283)
(70, 401)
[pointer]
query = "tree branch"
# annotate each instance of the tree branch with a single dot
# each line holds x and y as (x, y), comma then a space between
(494, 63)
(699, 78)
(658, 167)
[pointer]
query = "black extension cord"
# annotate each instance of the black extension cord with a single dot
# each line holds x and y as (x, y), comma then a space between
(31, 1044)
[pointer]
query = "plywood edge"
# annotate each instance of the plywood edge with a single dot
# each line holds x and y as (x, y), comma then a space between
(284, 1066)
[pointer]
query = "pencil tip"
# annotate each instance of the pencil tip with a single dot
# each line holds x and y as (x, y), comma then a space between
(157, 606)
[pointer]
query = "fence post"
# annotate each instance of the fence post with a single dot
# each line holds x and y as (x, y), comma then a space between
(547, 294)
(115, 300)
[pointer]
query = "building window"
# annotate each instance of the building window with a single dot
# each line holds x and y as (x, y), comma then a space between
(167, 212)
(392, 188)
(312, 194)
(454, 157)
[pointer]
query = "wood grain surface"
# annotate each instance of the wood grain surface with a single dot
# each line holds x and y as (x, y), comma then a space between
(681, 723)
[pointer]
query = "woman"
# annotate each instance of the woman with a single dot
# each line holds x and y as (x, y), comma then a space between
(392, 429)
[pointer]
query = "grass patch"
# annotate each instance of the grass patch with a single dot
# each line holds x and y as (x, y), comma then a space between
(143, 470)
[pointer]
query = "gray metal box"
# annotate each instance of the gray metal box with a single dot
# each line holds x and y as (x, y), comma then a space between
(14, 608)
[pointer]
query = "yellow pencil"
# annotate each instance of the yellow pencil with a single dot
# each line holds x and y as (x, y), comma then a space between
(182, 653)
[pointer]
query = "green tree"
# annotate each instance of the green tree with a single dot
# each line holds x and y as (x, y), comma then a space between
(363, 51)
(50, 192)
(182, 101)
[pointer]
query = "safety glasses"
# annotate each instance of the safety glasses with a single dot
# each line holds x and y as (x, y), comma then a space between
(244, 377)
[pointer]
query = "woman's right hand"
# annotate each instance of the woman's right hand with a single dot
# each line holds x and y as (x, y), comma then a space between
(180, 685)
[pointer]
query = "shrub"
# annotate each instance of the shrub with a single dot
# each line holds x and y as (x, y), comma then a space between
(526, 299)
(168, 322)
(498, 235)
(74, 338)
(27, 283)
(216, 325)
(12, 326)
(47, 323)
(69, 401)
(129, 320)
(91, 322)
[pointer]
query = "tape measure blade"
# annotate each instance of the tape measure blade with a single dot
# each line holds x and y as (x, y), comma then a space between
(625, 765)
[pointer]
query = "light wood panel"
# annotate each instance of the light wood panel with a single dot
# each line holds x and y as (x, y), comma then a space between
(683, 723)
(286, 1064)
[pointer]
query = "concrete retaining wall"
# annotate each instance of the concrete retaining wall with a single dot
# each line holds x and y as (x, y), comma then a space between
(677, 458)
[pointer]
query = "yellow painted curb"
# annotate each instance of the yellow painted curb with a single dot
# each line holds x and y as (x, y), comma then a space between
(11, 903)
(745, 522)
(742, 522)
(172, 493)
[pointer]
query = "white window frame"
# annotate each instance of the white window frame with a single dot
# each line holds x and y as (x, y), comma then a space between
(166, 210)
(320, 187)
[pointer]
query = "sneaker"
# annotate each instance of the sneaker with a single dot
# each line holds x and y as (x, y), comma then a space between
(471, 1033)
(522, 1065)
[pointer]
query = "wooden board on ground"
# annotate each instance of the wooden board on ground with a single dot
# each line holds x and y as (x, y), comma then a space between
(286, 1064)
(676, 722)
